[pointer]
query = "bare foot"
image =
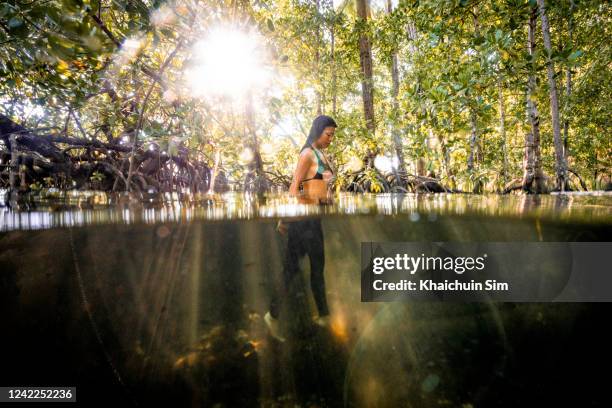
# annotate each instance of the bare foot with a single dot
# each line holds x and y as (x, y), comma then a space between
(322, 321)
(274, 327)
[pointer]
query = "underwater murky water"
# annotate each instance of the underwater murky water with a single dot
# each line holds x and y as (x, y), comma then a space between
(139, 302)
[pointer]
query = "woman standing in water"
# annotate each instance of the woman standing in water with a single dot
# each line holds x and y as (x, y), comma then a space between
(313, 174)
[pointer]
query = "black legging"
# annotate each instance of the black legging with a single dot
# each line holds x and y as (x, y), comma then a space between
(304, 238)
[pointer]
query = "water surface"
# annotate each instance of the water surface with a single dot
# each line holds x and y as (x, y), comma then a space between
(160, 300)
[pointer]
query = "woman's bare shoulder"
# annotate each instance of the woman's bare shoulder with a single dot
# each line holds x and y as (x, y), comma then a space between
(307, 153)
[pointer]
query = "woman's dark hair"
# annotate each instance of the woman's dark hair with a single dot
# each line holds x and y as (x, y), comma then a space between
(317, 128)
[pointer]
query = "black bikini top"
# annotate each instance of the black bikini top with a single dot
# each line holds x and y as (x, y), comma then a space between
(321, 167)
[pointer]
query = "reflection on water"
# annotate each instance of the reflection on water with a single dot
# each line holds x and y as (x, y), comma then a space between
(172, 312)
(63, 209)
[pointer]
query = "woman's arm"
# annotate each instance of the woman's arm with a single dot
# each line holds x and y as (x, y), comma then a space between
(301, 170)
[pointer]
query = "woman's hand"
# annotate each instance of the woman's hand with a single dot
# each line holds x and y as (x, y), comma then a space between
(327, 176)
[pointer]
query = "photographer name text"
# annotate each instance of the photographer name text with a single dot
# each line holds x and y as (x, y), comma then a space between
(413, 265)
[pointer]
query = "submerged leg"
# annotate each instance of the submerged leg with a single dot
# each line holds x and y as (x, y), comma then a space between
(315, 248)
(290, 266)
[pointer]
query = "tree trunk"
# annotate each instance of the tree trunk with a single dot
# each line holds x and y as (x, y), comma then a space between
(473, 140)
(412, 35)
(450, 174)
(475, 155)
(333, 68)
(568, 84)
(318, 96)
(397, 139)
(365, 58)
(533, 179)
(561, 166)
(502, 130)
(215, 171)
(256, 165)
(14, 165)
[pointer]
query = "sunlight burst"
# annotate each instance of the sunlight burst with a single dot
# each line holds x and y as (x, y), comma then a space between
(228, 62)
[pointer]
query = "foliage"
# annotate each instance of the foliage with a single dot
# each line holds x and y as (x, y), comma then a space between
(116, 71)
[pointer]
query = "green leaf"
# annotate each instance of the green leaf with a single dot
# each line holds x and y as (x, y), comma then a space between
(479, 40)
(4, 9)
(574, 55)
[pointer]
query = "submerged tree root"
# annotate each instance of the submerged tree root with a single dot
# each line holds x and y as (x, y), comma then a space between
(373, 181)
(29, 160)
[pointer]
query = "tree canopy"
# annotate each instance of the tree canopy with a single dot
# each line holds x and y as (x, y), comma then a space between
(137, 95)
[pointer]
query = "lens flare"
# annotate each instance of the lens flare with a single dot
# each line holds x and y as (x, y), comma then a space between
(383, 164)
(246, 156)
(228, 62)
(354, 164)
